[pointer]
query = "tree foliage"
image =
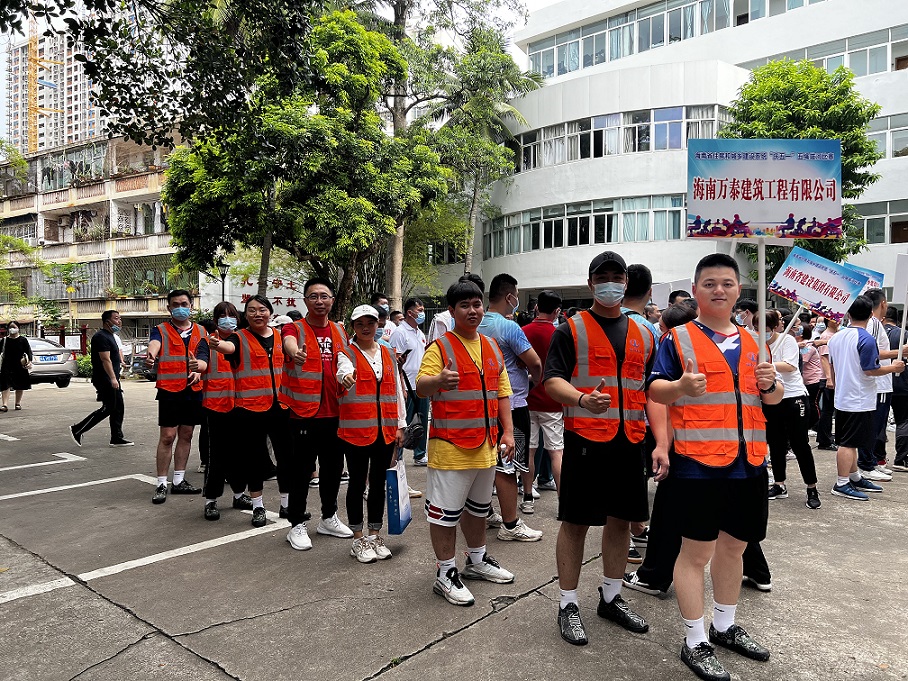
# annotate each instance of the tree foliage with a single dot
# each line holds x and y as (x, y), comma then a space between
(797, 100)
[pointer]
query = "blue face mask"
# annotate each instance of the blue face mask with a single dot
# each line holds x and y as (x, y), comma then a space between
(227, 323)
(609, 294)
(420, 318)
(114, 328)
(769, 334)
(180, 314)
(740, 319)
(819, 328)
(799, 332)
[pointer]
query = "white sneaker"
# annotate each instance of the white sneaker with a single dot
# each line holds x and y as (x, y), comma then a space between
(875, 475)
(334, 527)
(790, 455)
(882, 469)
(362, 550)
(298, 536)
(493, 521)
(413, 493)
(450, 586)
(527, 507)
(536, 494)
(378, 545)
(487, 569)
(547, 485)
(522, 532)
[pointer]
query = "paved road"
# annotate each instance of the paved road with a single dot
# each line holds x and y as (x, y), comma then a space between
(97, 583)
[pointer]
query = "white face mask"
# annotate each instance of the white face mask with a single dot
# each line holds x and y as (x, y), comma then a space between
(609, 294)
(13, 331)
(819, 328)
(740, 319)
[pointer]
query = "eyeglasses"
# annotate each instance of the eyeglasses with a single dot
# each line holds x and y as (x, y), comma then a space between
(257, 312)
(315, 297)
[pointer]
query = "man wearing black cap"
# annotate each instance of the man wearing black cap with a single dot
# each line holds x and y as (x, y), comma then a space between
(596, 367)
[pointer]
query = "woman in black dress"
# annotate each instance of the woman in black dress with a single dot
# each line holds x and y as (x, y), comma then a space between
(13, 374)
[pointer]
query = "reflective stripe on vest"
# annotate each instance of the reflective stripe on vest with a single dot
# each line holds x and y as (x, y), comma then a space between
(218, 384)
(369, 403)
(468, 415)
(708, 428)
(254, 387)
(301, 386)
(173, 359)
(597, 362)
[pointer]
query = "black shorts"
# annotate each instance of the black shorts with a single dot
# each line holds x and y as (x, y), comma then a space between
(704, 507)
(173, 413)
(601, 480)
(520, 463)
(854, 429)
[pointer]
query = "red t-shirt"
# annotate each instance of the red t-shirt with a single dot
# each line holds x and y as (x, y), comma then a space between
(539, 333)
(328, 405)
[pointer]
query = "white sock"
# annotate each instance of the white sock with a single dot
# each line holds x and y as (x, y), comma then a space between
(445, 565)
(723, 616)
(476, 555)
(568, 596)
(238, 496)
(178, 477)
(696, 632)
(843, 481)
(210, 501)
(284, 500)
(610, 588)
(162, 480)
(855, 477)
(258, 502)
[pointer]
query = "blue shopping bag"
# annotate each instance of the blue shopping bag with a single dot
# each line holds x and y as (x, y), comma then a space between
(399, 511)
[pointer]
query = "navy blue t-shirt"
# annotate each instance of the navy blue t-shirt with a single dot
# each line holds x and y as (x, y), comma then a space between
(668, 367)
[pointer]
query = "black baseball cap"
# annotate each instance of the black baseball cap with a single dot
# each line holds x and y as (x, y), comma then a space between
(607, 258)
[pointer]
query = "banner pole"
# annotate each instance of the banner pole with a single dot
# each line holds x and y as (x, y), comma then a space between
(902, 335)
(761, 296)
(794, 318)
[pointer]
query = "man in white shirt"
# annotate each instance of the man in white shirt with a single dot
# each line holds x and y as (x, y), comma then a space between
(410, 344)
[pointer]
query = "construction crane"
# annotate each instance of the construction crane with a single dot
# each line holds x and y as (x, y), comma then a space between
(34, 82)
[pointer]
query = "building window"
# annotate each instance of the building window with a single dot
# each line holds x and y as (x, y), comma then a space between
(701, 123)
(621, 42)
(898, 229)
(875, 230)
(530, 150)
(637, 131)
(553, 145)
(579, 144)
(667, 127)
(900, 143)
(606, 135)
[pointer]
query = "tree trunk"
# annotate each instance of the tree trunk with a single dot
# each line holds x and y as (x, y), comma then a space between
(266, 262)
(345, 290)
(474, 216)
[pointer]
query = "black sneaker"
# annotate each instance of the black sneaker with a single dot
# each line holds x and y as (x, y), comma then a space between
(633, 581)
(259, 519)
(703, 662)
(571, 625)
(121, 442)
(900, 465)
(828, 448)
(160, 495)
(813, 498)
(641, 539)
(283, 513)
(738, 640)
(633, 556)
(778, 492)
(76, 437)
(185, 488)
(211, 511)
(244, 503)
(619, 612)
(345, 478)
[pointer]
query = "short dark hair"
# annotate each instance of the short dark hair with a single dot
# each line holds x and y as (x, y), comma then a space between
(476, 279)
(502, 285)
(875, 295)
(224, 309)
(861, 308)
(378, 295)
(716, 260)
(315, 281)
(394, 312)
(892, 314)
(548, 301)
(674, 295)
(411, 303)
(806, 317)
(259, 299)
(678, 314)
(639, 281)
(176, 293)
(808, 332)
(295, 315)
(748, 305)
(382, 313)
(462, 290)
(107, 314)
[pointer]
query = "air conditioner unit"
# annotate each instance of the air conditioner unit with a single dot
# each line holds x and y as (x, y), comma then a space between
(31, 241)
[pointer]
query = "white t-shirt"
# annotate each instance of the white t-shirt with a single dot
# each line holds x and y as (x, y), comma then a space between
(441, 324)
(345, 366)
(853, 351)
(405, 338)
(875, 328)
(388, 330)
(785, 349)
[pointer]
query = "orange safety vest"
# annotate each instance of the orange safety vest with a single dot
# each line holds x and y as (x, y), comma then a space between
(711, 428)
(258, 375)
(369, 403)
(301, 387)
(468, 416)
(625, 383)
(218, 384)
(173, 359)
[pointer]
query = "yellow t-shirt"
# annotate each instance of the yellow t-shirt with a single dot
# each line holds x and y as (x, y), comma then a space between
(443, 454)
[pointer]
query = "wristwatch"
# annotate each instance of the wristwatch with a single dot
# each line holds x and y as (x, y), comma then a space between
(769, 391)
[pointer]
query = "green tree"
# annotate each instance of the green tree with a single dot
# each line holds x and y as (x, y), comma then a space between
(797, 100)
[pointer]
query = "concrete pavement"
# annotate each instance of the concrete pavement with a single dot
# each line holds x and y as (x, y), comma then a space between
(98, 583)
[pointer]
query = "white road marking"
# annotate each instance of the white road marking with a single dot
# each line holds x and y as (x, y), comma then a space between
(63, 457)
(35, 589)
(8, 438)
(48, 490)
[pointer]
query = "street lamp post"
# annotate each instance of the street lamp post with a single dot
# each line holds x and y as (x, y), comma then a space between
(223, 267)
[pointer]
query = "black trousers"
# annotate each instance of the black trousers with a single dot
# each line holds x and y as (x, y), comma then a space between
(786, 424)
(256, 428)
(900, 413)
(664, 546)
(371, 461)
(825, 436)
(311, 439)
(225, 461)
(813, 392)
(112, 407)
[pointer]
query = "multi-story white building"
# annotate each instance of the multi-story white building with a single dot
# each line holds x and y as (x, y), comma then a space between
(602, 162)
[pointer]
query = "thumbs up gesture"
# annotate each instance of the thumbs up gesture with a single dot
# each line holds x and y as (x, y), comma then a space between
(299, 357)
(692, 383)
(449, 378)
(193, 363)
(597, 401)
(349, 380)
(214, 340)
